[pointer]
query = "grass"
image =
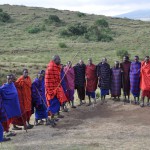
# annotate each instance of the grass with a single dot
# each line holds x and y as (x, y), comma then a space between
(19, 49)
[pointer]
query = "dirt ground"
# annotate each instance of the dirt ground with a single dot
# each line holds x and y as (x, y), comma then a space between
(112, 126)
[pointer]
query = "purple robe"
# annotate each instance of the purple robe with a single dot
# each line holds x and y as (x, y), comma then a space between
(135, 78)
(115, 82)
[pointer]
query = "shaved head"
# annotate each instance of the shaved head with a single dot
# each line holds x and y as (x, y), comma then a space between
(56, 59)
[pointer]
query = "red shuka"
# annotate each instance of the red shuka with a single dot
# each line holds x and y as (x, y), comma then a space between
(53, 83)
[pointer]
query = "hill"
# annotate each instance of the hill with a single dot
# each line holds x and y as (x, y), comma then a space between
(138, 14)
(20, 49)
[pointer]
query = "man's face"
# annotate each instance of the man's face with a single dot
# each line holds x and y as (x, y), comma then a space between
(125, 59)
(25, 73)
(116, 64)
(69, 64)
(136, 59)
(89, 61)
(81, 62)
(9, 79)
(146, 59)
(104, 60)
(40, 77)
(57, 60)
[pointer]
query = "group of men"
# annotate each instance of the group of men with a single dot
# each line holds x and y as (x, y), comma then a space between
(53, 88)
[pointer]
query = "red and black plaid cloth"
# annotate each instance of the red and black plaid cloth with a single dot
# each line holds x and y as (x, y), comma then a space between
(52, 83)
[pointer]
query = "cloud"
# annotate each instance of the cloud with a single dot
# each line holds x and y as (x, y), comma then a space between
(105, 7)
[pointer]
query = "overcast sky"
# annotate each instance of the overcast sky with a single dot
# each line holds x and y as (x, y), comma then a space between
(105, 7)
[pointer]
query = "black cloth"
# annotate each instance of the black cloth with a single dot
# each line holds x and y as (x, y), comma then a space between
(79, 75)
(81, 92)
(104, 74)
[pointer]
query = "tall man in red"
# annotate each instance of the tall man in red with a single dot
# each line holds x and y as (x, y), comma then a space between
(54, 92)
(91, 80)
(145, 79)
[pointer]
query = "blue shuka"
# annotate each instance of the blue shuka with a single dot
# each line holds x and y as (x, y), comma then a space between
(135, 78)
(1, 132)
(38, 100)
(10, 100)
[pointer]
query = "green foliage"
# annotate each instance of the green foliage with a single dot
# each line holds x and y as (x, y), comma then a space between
(36, 29)
(79, 14)
(1, 10)
(102, 23)
(53, 19)
(122, 53)
(4, 17)
(62, 45)
(97, 34)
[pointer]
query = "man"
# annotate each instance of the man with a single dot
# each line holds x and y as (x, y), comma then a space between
(54, 91)
(145, 80)
(91, 81)
(23, 85)
(70, 82)
(125, 67)
(38, 101)
(103, 73)
(10, 103)
(116, 81)
(79, 70)
(135, 79)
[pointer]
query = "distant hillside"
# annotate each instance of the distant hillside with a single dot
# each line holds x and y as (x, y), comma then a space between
(30, 38)
(139, 14)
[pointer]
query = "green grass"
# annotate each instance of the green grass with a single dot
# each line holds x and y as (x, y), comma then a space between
(19, 49)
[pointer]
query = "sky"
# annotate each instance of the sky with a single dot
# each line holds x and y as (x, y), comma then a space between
(100, 7)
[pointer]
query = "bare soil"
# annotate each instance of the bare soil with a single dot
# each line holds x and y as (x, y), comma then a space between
(112, 126)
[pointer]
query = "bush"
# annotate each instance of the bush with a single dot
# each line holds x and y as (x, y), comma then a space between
(36, 29)
(79, 14)
(77, 29)
(62, 45)
(102, 23)
(122, 53)
(53, 19)
(4, 17)
(1, 10)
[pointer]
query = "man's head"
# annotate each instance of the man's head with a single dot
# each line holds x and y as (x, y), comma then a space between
(42, 72)
(14, 78)
(40, 76)
(90, 61)
(81, 62)
(116, 64)
(104, 60)
(56, 59)
(136, 58)
(25, 73)
(69, 63)
(126, 58)
(9, 79)
(146, 59)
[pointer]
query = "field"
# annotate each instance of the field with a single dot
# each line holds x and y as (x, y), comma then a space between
(20, 49)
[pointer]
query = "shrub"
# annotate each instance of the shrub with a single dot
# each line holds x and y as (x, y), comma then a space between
(36, 29)
(102, 23)
(77, 29)
(62, 45)
(4, 17)
(53, 19)
(122, 53)
(1, 10)
(79, 14)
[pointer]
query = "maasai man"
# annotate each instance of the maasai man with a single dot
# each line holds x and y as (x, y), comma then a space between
(23, 85)
(91, 81)
(54, 91)
(38, 101)
(125, 67)
(64, 86)
(116, 81)
(3, 118)
(70, 82)
(79, 70)
(135, 79)
(145, 80)
(103, 73)
(10, 103)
